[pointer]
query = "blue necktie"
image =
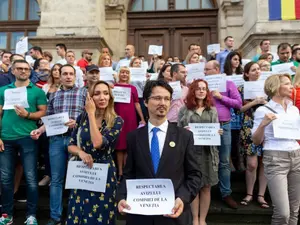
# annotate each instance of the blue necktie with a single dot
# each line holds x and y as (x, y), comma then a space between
(155, 155)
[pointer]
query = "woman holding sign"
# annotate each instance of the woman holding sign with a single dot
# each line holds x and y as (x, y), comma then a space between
(93, 141)
(199, 109)
(252, 152)
(128, 113)
(281, 155)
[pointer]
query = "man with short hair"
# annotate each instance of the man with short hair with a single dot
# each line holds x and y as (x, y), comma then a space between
(61, 50)
(296, 55)
(221, 56)
(265, 47)
(178, 73)
(37, 54)
(161, 150)
(224, 101)
(5, 62)
(129, 54)
(70, 58)
(86, 59)
(70, 99)
(284, 51)
(17, 138)
(92, 75)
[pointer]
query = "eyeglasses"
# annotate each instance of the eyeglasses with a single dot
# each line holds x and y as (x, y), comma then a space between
(160, 98)
(21, 69)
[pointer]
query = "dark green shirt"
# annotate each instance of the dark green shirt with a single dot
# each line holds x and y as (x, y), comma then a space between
(13, 126)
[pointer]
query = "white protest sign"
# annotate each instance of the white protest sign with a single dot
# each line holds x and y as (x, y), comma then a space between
(137, 74)
(213, 48)
(254, 89)
(283, 68)
(15, 96)
(150, 196)
(177, 91)
(55, 124)
(122, 94)
(22, 46)
(216, 82)
(145, 65)
(30, 60)
(154, 76)
(106, 74)
(265, 74)
(245, 61)
(238, 80)
(287, 127)
(195, 71)
(206, 133)
(80, 176)
(155, 49)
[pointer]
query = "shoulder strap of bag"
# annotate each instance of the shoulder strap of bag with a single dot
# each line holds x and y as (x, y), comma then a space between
(269, 108)
(295, 93)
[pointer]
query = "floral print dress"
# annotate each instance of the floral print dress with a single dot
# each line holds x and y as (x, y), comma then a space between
(95, 208)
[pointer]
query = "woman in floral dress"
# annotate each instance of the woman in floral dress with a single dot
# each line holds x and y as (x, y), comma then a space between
(93, 141)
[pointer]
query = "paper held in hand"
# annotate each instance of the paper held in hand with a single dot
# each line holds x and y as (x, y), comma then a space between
(213, 48)
(177, 91)
(238, 79)
(122, 94)
(55, 124)
(216, 82)
(283, 68)
(206, 134)
(287, 127)
(138, 74)
(155, 49)
(80, 176)
(195, 71)
(150, 196)
(106, 74)
(22, 46)
(254, 89)
(15, 96)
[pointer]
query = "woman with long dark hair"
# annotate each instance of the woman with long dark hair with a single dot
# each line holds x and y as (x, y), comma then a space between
(233, 64)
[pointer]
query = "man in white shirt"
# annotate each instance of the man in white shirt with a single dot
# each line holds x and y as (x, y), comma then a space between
(61, 50)
(129, 54)
(70, 59)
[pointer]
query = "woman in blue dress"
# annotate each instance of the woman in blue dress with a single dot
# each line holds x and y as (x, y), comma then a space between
(93, 141)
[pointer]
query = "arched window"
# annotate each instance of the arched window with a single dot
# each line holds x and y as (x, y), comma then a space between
(154, 5)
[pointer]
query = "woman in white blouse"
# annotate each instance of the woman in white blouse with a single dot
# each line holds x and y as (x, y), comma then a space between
(281, 156)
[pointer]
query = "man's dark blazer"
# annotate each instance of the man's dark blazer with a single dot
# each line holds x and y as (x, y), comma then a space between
(178, 163)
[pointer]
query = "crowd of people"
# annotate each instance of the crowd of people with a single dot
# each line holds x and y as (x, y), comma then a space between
(137, 139)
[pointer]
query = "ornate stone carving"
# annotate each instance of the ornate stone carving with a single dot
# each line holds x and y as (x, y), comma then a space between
(114, 9)
(112, 3)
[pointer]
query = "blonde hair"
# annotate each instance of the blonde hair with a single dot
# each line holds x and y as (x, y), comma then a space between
(296, 81)
(189, 56)
(272, 84)
(124, 68)
(101, 59)
(109, 114)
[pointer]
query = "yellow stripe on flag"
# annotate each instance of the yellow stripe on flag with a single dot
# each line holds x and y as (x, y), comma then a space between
(288, 10)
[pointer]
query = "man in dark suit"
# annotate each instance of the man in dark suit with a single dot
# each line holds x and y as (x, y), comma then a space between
(162, 150)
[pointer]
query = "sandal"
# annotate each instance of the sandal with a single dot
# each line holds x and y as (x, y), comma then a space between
(263, 204)
(246, 202)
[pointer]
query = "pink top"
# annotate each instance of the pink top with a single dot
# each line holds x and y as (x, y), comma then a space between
(176, 106)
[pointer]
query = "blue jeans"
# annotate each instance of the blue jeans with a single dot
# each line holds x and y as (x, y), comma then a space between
(58, 153)
(28, 153)
(224, 164)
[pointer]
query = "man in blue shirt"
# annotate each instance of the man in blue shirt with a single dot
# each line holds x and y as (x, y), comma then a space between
(221, 56)
(265, 47)
(129, 54)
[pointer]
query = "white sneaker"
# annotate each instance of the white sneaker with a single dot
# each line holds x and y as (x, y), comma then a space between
(45, 181)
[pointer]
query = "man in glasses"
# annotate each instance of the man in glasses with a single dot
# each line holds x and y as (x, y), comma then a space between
(162, 150)
(16, 125)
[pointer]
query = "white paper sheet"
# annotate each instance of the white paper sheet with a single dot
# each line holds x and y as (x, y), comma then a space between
(154, 76)
(216, 82)
(122, 94)
(238, 80)
(155, 49)
(22, 46)
(254, 89)
(106, 74)
(177, 91)
(216, 48)
(206, 133)
(287, 127)
(80, 176)
(283, 68)
(15, 96)
(265, 74)
(138, 74)
(55, 124)
(195, 71)
(150, 196)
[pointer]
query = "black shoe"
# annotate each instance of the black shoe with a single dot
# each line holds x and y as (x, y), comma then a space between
(53, 222)
(19, 197)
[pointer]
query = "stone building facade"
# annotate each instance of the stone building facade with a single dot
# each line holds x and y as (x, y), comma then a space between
(94, 24)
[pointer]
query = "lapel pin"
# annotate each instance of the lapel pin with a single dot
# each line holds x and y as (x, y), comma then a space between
(172, 144)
